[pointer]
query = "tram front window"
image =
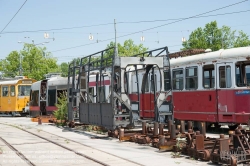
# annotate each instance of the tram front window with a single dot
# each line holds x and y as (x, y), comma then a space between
(242, 73)
(24, 90)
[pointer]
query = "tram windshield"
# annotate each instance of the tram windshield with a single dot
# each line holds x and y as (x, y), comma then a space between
(243, 73)
(24, 90)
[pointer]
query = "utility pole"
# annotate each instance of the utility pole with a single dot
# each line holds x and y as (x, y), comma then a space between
(116, 49)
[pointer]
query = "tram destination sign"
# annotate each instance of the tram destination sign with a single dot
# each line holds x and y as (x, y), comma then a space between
(26, 82)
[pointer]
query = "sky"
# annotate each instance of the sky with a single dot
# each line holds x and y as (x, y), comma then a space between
(70, 23)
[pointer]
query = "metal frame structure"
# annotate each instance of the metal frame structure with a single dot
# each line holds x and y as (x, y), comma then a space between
(115, 109)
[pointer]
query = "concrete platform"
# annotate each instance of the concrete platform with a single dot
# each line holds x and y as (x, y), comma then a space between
(142, 154)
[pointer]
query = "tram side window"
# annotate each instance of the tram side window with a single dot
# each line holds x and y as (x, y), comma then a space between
(154, 83)
(225, 77)
(208, 76)
(102, 94)
(51, 97)
(5, 91)
(34, 98)
(126, 83)
(167, 85)
(12, 90)
(178, 79)
(191, 78)
(147, 84)
(242, 73)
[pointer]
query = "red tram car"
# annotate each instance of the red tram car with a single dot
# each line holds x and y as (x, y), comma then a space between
(213, 87)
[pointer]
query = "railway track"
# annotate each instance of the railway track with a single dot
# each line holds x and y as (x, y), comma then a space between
(60, 142)
(17, 152)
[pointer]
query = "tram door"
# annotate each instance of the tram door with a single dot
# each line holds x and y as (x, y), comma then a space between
(148, 96)
(225, 94)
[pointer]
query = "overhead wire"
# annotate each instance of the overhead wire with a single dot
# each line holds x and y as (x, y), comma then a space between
(133, 22)
(13, 17)
(153, 27)
(220, 14)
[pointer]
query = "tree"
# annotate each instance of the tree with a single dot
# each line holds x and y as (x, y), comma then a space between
(215, 38)
(128, 48)
(64, 67)
(62, 109)
(35, 61)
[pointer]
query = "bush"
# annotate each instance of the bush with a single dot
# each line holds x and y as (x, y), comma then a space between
(62, 109)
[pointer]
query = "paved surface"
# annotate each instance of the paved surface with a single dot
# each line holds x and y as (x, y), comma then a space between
(142, 154)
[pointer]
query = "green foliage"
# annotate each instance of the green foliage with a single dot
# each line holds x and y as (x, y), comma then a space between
(36, 62)
(215, 38)
(62, 111)
(180, 143)
(127, 49)
(64, 67)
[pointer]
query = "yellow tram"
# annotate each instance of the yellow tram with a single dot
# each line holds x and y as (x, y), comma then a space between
(15, 95)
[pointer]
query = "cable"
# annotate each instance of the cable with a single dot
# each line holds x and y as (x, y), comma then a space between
(220, 14)
(153, 27)
(182, 19)
(44, 30)
(13, 16)
(59, 29)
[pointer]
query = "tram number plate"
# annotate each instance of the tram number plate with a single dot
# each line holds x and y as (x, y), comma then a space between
(27, 82)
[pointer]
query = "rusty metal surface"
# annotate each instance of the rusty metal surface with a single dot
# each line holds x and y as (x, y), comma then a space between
(199, 142)
(182, 129)
(170, 122)
(203, 128)
(144, 127)
(156, 128)
(161, 127)
(173, 132)
(186, 53)
(190, 125)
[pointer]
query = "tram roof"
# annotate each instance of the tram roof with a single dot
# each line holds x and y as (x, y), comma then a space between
(222, 55)
(58, 81)
(11, 81)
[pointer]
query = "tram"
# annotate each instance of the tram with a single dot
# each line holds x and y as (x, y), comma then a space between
(213, 87)
(15, 95)
(44, 95)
